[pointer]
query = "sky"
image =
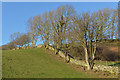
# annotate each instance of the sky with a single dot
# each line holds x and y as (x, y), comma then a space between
(16, 14)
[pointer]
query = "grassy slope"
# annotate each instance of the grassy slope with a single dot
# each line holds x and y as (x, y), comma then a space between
(35, 63)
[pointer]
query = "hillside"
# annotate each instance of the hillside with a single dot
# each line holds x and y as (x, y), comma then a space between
(36, 63)
(106, 51)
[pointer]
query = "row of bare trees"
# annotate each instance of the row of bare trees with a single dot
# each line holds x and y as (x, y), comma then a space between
(18, 39)
(63, 27)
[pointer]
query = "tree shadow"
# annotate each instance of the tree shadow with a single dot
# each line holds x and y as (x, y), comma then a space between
(116, 64)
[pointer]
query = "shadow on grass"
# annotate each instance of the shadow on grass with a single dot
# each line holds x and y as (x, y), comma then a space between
(116, 64)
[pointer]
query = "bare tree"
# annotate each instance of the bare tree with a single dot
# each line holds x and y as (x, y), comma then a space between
(24, 40)
(32, 30)
(114, 24)
(14, 37)
(61, 21)
(64, 26)
(90, 28)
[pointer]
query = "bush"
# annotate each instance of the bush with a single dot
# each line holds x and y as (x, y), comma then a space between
(102, 53)
(77, 52)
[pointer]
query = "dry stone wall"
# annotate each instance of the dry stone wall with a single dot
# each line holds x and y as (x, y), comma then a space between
(82, 63)
(39, 46)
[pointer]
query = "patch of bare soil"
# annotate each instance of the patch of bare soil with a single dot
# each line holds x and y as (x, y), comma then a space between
(100, 74)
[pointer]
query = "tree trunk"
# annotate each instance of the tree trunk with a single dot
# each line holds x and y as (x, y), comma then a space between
(95, 46)
(19, 46)
(25, 46)
(56, 51)
(32, 43)
(91, 48)
(91, 63)
(58, 46)
(15, 48)
(86, 58)
(93, 56)
(28, 45)
(53, 44)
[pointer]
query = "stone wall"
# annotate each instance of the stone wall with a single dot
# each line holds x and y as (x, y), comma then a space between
(39, 46)
(82, 63)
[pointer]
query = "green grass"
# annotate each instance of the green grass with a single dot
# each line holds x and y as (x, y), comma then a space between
(35, 63)
(108, 63)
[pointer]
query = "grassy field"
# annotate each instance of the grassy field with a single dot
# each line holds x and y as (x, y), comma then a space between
(108, 63)
(36, 63)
